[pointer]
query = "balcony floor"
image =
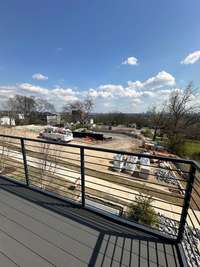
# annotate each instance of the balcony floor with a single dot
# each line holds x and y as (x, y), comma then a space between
(39, 230)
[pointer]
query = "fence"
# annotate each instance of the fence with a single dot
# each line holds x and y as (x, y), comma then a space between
(115, 183)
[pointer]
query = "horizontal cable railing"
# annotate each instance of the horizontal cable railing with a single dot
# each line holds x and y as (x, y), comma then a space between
(121, 184)
(191, 234)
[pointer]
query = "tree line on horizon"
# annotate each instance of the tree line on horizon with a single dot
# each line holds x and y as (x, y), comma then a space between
(177, 118)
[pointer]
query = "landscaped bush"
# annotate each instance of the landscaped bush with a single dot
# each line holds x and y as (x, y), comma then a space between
(142, 211)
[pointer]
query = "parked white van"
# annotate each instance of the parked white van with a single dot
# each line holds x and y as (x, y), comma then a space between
(57, 134)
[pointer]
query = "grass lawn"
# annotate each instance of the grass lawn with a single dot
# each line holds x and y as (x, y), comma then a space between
(192, 147)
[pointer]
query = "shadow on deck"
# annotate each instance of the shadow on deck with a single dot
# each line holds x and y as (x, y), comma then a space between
(40, 230)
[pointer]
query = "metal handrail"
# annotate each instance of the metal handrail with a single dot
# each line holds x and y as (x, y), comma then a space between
(194, 166)
(176, 160)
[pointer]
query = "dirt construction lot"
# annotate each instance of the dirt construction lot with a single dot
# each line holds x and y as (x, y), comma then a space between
(119, 141)
(63, 164)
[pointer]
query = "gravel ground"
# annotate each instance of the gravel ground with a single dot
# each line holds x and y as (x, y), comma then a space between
(191, 239)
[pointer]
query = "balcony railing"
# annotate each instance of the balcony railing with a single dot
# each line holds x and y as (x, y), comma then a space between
(110, 182)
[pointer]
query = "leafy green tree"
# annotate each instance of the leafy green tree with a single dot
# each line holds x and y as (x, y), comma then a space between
(142, 211)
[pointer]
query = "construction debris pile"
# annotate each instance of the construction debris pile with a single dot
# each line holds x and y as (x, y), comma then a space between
(164, 174)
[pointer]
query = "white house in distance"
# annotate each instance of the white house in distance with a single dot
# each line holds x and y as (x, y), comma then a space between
(21, 116)
(53, 119)
(7, 121)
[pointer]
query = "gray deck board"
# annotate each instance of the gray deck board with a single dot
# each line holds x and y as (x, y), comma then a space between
(39, 230)
(6, 261)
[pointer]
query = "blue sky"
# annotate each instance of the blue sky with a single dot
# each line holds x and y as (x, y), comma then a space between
(125, 54)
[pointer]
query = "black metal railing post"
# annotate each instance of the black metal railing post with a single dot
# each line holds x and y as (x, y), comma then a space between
(186, 204)
(24, 161)
(82, 176)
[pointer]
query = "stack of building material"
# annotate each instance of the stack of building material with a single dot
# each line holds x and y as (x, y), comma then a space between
(144, 167)
(119, 161)
(131, 164)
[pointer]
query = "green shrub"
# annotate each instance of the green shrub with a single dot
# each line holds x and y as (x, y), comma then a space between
(142, 211)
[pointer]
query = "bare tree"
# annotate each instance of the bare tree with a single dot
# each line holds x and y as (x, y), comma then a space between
(82, 108)
(21, 104)
(42, 105)
(181, 113)
(157, 119)
(47, 165)
(30, 107)
(4, 152)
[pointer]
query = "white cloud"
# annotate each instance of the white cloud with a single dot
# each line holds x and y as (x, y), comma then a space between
(196, 100)
(7, 91)
(111, 91)
(130, 61)
(32, 88)
(191, 58)
(107, 97)
(39, 77)
(135, 94)
(134, 88)
(135, 85)
(163, 78)
(66, 94)
(108, 104)
(148, 93)
(137, 101)
(7, 88)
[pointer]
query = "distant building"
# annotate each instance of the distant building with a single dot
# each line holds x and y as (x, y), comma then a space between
(91, 123)
(10, 118)
(54, 119)
(7, 121)
(132, 125)
(76, 115)
(21, 116)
